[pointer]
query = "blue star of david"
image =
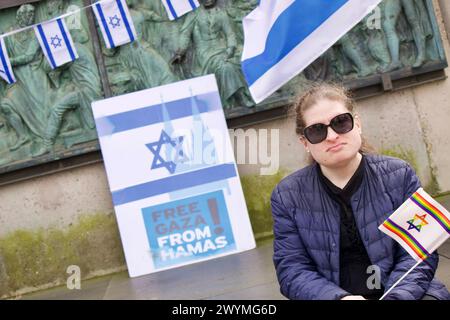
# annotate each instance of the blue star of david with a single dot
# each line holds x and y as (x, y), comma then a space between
(55, 41)
(114, 21)
(155, 148)
(413, 226)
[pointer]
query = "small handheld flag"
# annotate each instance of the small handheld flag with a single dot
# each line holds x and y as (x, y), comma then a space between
(6, 71)
(56, 42)
(283, 37)
(177, 8)
(115, 22)
(420, 225)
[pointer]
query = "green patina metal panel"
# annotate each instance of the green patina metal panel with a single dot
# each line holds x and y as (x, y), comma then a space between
(13, 3)
(46, 116)
(47, 111)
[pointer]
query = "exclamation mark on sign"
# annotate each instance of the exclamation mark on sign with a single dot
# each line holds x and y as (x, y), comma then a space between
(212, 205)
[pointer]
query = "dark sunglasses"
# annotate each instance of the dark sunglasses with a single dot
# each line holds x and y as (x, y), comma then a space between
(318, 132)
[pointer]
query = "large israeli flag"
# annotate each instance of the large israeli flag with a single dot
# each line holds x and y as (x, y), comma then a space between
(56, 42)
(6, 71)
(283, 37)
(177, 8)
(115, 22)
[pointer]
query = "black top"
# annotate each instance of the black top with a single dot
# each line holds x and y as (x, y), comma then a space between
(354, 259)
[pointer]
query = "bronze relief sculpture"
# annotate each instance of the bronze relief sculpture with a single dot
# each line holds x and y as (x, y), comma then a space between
(46, 115)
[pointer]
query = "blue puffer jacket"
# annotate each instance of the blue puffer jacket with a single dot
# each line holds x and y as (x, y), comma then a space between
(306, 229)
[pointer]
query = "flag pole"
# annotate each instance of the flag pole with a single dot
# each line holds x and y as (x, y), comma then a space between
(399, 280)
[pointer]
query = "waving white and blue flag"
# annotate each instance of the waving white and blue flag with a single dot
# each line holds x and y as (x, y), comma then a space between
(177, 8)
(283, 37)
(115, 22)
(6, 71)
(56, 42)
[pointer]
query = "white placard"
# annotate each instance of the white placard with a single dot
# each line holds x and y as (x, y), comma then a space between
(172, 175)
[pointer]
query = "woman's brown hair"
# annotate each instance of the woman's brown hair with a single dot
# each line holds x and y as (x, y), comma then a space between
(328, 91)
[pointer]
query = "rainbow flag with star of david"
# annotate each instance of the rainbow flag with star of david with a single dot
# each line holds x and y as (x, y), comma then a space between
(420, 225)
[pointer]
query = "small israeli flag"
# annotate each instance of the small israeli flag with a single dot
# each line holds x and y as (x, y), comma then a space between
(177, 8)
(115, 22)
(56, 42)
(6, 71)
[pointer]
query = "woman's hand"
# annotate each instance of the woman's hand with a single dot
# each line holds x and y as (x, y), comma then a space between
(353, 298)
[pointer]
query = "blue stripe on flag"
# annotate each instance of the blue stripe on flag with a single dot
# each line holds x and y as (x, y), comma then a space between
(172, 9)
(66, 39)
(192, 3)
(174, 183)
(125, 19)
(47, 48)
(293, 26)
(105, 25)
(154, 114)
(5, 64)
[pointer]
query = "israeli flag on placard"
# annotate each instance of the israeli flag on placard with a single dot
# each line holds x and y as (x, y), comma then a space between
(115, 22)
(56, 42)
(177, 8)
(283, 37)
(6, 71)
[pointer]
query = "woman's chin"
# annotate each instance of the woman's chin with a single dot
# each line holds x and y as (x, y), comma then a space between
(338, 159)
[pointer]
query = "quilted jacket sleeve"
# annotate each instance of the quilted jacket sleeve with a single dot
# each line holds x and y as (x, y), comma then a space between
(415, 285)
(295, 270)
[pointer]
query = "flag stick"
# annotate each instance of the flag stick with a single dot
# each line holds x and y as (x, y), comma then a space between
(399, 280)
